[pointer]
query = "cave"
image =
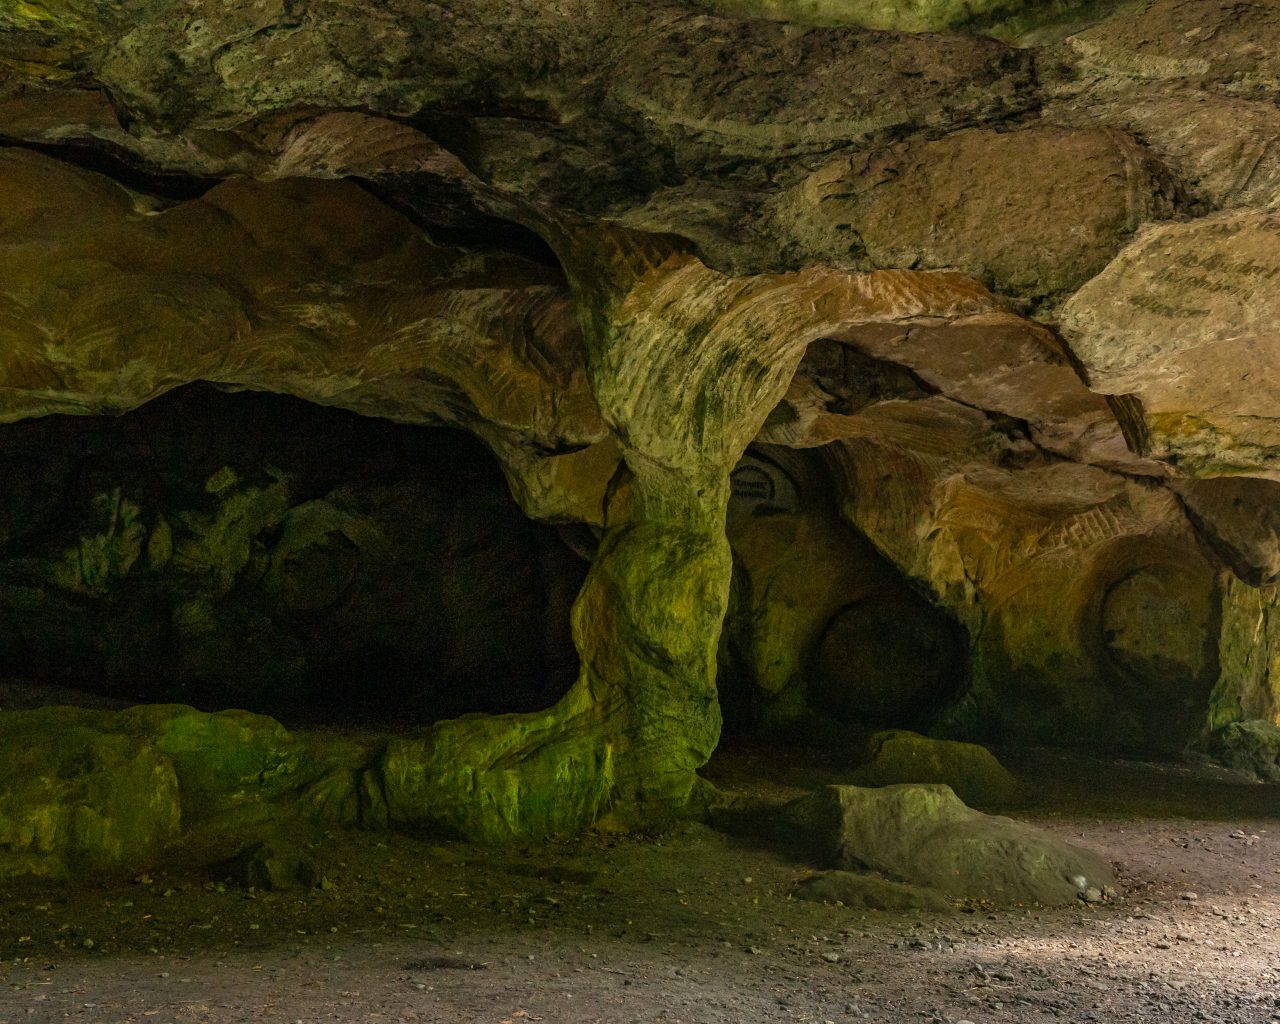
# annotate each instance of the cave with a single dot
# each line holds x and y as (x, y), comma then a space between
(695, 510)
(256, 551)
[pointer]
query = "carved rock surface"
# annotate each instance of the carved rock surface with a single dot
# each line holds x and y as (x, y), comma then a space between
(622, 243)
(972, 772)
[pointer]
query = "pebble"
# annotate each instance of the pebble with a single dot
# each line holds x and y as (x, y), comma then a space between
(1189, 896)
(831, 958)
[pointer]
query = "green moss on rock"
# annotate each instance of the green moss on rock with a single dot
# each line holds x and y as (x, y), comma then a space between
(898, 756)
(75, 797)
(86, 791)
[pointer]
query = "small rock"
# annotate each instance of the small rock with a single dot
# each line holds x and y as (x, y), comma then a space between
(1189, 896)
(831, 958)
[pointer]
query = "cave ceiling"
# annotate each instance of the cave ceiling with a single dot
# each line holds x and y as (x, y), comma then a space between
(1014, 267)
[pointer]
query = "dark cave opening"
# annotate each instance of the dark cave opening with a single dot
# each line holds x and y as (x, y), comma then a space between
(258, 551)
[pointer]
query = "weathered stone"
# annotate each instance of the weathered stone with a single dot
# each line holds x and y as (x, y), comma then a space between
(88, 791)
(924, 836)
(953, 202)
(1009, 548)
(273, 865)
(972, 772)
(888, 659)
(1185, 320)
(913, 16)
(1240, 518)
(257, 552)
(602, 237)
(1217, 45)
(1248, 686)
(811, 633)
(864, 890)
(76, 798)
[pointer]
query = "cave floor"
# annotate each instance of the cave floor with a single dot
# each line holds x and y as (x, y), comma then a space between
(688, 925)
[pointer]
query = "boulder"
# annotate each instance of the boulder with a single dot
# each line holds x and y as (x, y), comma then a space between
(272, 865)
(973, 773)
(925, 836)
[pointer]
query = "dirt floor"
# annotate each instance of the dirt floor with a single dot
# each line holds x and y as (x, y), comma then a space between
(688, 926)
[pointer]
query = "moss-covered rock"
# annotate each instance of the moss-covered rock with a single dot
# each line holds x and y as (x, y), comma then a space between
(925, 836)
(972, 772)
(1251, 746)
(85, 791)
(77, 796)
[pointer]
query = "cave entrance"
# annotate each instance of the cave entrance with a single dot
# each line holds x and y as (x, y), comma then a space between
(257, 551)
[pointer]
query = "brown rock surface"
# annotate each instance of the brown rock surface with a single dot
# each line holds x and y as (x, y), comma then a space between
(1001, 205)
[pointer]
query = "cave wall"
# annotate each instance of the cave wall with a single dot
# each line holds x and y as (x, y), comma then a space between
(1010, 269)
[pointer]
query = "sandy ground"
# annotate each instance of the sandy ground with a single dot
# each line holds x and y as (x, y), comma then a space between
(687, 926)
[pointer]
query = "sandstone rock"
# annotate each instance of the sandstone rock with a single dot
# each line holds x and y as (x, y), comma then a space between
(1184, 319)
(857, 86)
(1216, 45)
(1248, 686)
(91, 791)
(1219, 148)
(601, 237)
(865, 890)
(154, 292)
(972, 772)
(924, 836)
(953, 202)
(811, 633)
(914, 16)
(272, 865)
(1238, 516)
(299, 581)
(999, 540)
(888, 659)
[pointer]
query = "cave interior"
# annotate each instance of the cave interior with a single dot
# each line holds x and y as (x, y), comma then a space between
(493, 445)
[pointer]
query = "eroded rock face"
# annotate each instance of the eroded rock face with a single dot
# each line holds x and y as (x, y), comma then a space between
(1001, 205)
(925, 836)
(1021, 299)
(1185, 320)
